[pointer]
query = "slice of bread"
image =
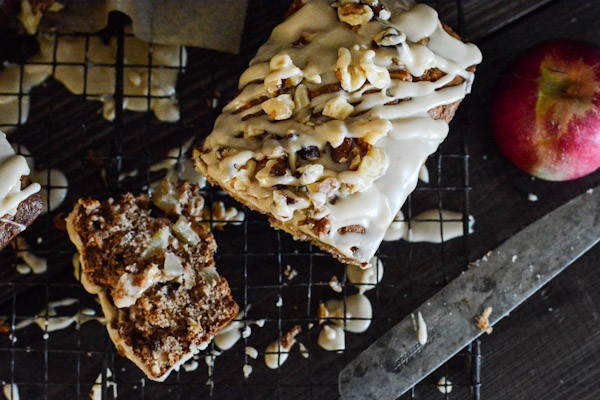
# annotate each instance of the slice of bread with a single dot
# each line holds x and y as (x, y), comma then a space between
(151, 263)
(337, 113)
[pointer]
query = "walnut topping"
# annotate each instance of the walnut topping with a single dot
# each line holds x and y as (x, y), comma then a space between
(321, 227)
(390, 37)
(483, 322)
(352, 228)
(355, 14)
(310, 173)
(222, 215)
(340, 154)
(311, 74)
(351, 76)
(279, 167)
(280, 107)
(301, 98)
(283, 73)
(338, 108)
(376, 75)
(327, 186)
(288, 340)
(381, 12)
(310, 153)
(285, 203)
(372, 163)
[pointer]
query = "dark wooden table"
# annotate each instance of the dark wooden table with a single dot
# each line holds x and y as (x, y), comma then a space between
(549, 348)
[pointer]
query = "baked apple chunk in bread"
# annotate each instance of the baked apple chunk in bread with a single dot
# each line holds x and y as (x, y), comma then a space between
(151, 263)
(337, 113)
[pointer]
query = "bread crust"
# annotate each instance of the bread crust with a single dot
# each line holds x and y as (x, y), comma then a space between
(27, 212)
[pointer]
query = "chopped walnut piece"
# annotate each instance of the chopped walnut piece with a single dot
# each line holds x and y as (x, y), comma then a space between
(381, 12)
(327, 185)
(482, 321)
(351, 76)
(283, 73)
(355, 14)
(322, 313)
(288, 340)
(352, 228)
(378, 76)
(321, 227)
(338, 108)
(279, 168)
(340, 154)
(280, 107)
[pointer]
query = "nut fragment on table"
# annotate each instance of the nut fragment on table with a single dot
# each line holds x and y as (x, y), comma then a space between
(482, 321)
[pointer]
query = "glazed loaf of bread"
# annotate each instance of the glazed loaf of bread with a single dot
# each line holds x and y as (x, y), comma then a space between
(336, 114)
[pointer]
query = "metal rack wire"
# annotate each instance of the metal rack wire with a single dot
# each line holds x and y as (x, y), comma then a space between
(68, 132)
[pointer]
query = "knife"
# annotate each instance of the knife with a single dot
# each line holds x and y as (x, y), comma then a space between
(503, 279)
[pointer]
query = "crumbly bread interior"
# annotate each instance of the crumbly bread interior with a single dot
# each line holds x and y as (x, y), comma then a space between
(152, 264)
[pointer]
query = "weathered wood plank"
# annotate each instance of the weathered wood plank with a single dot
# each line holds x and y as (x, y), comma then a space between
(550, 347)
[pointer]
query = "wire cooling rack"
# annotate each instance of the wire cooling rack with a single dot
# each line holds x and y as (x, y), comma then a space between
(68, 132)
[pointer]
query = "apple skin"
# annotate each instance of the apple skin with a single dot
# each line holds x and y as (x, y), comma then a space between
(546, 110)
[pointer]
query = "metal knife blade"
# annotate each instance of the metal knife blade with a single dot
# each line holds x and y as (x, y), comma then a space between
(396, 361)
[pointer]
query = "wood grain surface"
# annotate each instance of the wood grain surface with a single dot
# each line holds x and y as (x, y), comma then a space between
(550, 347)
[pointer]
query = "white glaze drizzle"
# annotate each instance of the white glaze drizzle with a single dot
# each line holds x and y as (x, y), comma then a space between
(332, 338)
(190, 366)
(358, 312)
(96, 391)
(179, 166)
(18, 225)
(423, 174)
(231, 333)
(365, 278)
(12, 168)
(251, 352)
(36, 263)
(54, 187)
(402, 134)
(167, 60)
(247, 370)
(49, 321)
(444, 385)
(53, 182)
(11, 391)
(428, 227)
(436, 226)
(278, 351)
